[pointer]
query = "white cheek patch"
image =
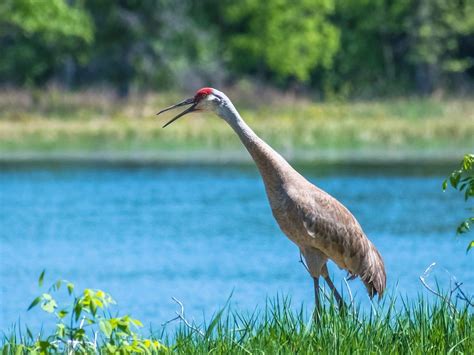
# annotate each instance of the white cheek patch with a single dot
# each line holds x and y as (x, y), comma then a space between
(207, 102)
(210, 99)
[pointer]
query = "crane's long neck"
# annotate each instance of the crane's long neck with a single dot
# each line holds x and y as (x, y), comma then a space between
(274, 169)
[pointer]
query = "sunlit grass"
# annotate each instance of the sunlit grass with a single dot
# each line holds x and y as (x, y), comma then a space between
(91, 122)
(87, 324)
(420, 327)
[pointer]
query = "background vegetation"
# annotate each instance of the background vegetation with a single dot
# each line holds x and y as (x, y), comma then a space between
(341, 48)
(94, 123)
(76, 76)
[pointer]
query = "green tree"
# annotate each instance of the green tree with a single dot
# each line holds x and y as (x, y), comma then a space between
(393, 45)
(371, 56)
(354, 47)
(287, 38)
(38, 36)
(435, 28)
(152, 44)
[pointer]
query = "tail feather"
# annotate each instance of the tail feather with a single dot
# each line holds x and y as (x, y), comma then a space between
(373, 274)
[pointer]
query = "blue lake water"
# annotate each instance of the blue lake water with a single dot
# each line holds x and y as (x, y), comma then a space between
(200, 233)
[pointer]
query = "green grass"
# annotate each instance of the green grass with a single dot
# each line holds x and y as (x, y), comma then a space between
(92, 123)
(88, 324)
(420, 327)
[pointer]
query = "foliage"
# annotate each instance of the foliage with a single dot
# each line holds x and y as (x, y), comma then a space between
(52, 18)
(462, 179)
(404, 43)
(149, 43)
(340, 47)
(38, 36)
(84, 326)
(372, 47)
(436, 29)
(289, 38)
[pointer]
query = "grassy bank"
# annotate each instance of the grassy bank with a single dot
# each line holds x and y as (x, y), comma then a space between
(90, 324)
(96, 123)
(420, 328)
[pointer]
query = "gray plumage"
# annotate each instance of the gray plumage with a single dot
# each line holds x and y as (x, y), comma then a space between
(316, 222)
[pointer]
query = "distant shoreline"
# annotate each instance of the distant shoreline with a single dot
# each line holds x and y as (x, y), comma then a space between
(80, 128)
(215, 157)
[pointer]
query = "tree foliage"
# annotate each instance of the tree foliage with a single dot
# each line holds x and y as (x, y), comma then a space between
(289, 38)
(51, 18)
(348, 47)
(436, 29)
(37, 36)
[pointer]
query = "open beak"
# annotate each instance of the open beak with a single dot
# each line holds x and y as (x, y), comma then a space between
(190, 101)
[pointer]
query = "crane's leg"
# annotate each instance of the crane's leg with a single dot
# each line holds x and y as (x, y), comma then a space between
(315, 260)
(317, 300)
(336, 294)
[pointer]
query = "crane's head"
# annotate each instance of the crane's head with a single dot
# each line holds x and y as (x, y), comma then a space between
(205, 99)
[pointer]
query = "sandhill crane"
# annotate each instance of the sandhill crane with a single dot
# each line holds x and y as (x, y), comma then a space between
(315, 221)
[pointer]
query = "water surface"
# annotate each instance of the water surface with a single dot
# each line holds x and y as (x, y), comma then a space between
(200, 233)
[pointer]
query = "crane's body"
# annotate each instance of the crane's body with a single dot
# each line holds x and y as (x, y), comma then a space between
(316, 222)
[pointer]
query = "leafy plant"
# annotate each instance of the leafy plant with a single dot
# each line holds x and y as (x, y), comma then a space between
(462, 179)
(85, 325)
